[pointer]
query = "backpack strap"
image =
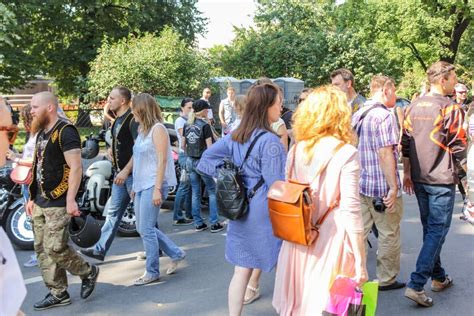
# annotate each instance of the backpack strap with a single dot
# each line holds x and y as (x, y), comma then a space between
(261, 181)
(251, 147)
(362, 117)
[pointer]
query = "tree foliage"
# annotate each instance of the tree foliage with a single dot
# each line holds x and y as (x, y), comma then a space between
(62, 37)
(164, 65)
(308, 39)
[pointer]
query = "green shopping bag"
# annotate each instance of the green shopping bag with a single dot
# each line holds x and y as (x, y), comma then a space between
(371, 291)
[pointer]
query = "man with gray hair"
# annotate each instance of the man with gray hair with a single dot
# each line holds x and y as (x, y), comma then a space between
(57, 174)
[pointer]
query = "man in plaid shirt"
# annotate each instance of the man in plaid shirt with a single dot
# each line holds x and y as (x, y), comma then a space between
(380, 193)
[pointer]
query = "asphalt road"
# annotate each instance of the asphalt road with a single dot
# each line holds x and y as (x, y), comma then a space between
(200, 285)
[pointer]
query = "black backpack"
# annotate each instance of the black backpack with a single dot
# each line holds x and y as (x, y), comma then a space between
(231, 194)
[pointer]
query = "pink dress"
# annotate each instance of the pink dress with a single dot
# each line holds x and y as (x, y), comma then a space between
(305, 274)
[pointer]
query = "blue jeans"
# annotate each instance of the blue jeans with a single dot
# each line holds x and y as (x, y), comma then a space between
(183, 195)
(153, 238)
(25, 192)
(191, 164)
(436, 203)
(119, 200)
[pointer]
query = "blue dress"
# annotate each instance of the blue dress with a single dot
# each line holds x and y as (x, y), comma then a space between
(250, 242)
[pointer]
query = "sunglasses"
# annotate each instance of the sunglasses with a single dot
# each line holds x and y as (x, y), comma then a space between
(12, 132)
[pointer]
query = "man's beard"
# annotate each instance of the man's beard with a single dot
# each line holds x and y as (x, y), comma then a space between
(39, 123)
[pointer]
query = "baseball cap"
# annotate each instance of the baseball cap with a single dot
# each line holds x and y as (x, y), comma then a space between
(459, 87)
(200, 105)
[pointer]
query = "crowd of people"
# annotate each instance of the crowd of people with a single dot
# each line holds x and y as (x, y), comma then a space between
(358, 141)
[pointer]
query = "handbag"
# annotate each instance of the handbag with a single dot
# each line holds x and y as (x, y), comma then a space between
(231, 194)
(21, 173)
(290, 207)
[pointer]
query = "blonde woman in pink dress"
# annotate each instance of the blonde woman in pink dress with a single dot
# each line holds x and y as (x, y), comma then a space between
(305, 274)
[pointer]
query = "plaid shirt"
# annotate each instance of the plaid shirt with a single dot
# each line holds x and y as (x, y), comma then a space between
(378, 129)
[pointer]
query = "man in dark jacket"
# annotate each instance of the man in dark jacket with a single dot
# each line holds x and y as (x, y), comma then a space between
(433, 143)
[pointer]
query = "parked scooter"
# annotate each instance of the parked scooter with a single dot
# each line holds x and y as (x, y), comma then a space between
(96, 187)
(13, 217)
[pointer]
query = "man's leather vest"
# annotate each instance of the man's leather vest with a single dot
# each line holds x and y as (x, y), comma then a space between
(195, 142)
(122, 142)
(55, 173)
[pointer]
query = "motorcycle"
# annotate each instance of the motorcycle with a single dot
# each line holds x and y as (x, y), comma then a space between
(96, 186)
(13, 218)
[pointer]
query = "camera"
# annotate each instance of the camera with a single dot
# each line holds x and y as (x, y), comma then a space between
(378, 204)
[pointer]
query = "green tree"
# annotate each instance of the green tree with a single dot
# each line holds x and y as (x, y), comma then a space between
(62, 37)
(164, 65)
(308, 39)
(15, 64)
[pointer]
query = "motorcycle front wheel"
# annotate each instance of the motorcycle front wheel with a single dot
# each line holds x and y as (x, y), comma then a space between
(127, 226)
(19, 228)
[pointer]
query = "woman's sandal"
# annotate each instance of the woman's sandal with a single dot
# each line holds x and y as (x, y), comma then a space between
(251, 294)
(144, 279)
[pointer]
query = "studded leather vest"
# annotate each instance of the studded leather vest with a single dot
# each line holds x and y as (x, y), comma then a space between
(195, 142)
(55, 171)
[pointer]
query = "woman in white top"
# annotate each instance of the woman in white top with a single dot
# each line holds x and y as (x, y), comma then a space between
(153, 172)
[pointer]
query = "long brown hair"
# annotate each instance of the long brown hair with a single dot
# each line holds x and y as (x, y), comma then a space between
(259, 99)
(148, 111)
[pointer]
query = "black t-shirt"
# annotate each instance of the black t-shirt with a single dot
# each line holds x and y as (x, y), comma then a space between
(70, 139)
(207, 132)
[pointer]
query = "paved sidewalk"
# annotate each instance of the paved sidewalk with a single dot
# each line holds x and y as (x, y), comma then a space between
(200, 285)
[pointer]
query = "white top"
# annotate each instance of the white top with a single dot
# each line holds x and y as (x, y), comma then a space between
(179, 124)
(145, 161)
(210, 115)
(29, 148)
(275, 126)
(235, 124)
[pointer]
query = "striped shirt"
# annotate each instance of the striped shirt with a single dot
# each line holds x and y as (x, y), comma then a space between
(377, 130)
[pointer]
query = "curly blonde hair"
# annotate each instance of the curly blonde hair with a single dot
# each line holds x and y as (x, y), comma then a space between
(325, 112)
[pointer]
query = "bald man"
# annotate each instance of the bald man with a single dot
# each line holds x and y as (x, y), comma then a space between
(57, 173)
(5, 122)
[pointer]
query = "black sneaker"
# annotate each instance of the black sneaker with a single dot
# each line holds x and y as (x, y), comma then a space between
(217, 227)
(201, 227)
(51, 301)
(92, 254)
(182, 222)
(88, 283)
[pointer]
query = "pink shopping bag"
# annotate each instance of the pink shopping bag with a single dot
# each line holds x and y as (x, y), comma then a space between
(345, 298)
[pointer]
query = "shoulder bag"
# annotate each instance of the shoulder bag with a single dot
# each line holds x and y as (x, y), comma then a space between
(21, 174)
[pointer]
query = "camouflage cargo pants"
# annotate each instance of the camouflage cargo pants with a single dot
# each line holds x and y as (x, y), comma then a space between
(55, 256)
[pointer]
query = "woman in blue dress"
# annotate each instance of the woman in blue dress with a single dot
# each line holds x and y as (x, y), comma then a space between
(250, 243)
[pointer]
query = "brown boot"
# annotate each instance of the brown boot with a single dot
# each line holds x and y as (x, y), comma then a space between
(437, 286)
